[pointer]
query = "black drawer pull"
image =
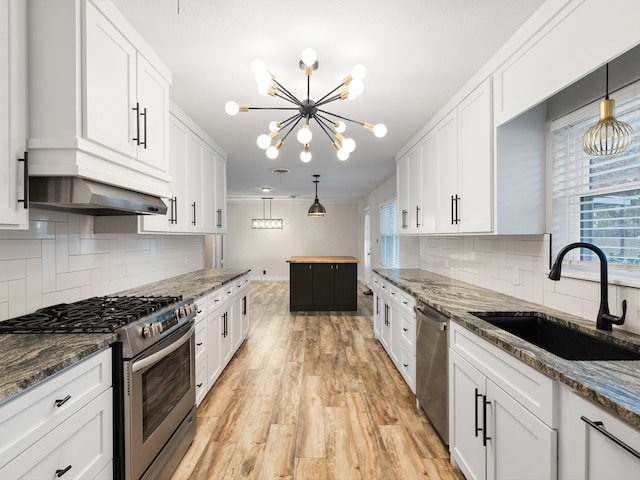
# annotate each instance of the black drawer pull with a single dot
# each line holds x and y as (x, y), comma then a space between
(25, 183)
(59, 473)
(478, 395)
(405, 329)
(199, 385)
(405, 365)
(599, 426)
(199, 344)
(61, 402)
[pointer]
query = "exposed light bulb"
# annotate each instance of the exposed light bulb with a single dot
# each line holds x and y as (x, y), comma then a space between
(380, 130)
(305, 155)
(274, 126)
(341, 127)
(258, 66)
(231, 108)
(349, 145)
(356, 87)
(359, 72)
(272, 152)
(342, 154)
(308, 56)
(304, 135)
(263, 79)
(263, 141)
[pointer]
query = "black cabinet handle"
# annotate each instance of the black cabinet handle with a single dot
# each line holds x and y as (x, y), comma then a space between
(61, 402)
(194, 213)
(457, 218)
(417, 216)
(244, 305)
(405, 365)
(405, 329)
(404, 219)
(485, 402)
(59, 473)
(599, 426)
(144, 114)
(478, 395)
(452, 207)
(25, 181)
(137, 110)
(219, 222)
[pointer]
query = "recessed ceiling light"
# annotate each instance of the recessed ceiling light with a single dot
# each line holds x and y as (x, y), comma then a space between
(266, 189)
(281, 171)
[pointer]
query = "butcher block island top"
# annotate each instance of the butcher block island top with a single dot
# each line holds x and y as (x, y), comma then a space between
(322, 259)
(323, 283)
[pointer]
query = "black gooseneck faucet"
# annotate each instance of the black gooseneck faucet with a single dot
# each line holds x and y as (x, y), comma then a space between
(605, 319)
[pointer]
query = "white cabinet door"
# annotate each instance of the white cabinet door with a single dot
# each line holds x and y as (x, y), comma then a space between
(153, 99)
(226, 334)
(466, 429)
(378, 314)
(221, 194)
(214, 344)
(430, 181)
(475, 173)
(246, 317)
(13, 114)
(402, 194)
(210, 216)
(396, 336)
(194, 165)
(415, 191)
(109, 85)
(447, 174)
(520, 446)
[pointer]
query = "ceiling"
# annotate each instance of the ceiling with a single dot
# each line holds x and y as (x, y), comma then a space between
(418, 54)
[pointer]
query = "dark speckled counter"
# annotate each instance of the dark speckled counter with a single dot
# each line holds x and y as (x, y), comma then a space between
(613, 384)
(28, 359)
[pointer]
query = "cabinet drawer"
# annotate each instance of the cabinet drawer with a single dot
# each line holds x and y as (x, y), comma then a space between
(408, 332)
(407, 366)
(407, 302)
(214, 301)
(32, 414)
(240, 283)
(201, 379)
(83, 444)
(201, 339)
(535, 391)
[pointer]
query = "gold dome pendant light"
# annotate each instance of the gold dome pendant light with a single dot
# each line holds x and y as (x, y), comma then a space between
(316, 210)
(609, 136)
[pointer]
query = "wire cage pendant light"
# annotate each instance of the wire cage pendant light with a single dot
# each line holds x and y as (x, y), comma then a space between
(267, 223)
(308, 110)
(316, 209)
(609, 136)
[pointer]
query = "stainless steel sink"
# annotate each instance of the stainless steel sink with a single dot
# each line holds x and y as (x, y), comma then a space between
(561, 340)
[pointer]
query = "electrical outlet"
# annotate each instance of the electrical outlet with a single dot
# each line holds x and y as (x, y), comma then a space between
(516, 276)
(264, 272)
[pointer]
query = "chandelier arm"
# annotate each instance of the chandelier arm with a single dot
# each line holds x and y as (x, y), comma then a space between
(323, 127)
(285, 123)
(292, 126)
(287, 99)
(272, 108)
(332, 91)
(341, 117)
(308, 87)
(289, 94)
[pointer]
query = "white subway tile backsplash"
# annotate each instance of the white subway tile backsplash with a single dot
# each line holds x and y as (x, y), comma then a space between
(490, 261)
(60, 259)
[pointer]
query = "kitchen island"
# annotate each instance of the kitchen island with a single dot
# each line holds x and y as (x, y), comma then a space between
(323, 283)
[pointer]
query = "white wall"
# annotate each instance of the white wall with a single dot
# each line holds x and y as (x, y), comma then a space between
(490, 262)
(59, 259)
(267, 250)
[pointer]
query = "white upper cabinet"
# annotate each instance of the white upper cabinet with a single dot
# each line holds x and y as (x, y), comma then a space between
(99, 97)
(220, 189)
(446, 133)
(13, 115)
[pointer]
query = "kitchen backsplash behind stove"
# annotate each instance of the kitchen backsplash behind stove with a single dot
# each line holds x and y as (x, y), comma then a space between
(59, 259)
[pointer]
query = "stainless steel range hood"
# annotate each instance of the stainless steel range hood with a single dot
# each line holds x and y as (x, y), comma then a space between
(87, 197)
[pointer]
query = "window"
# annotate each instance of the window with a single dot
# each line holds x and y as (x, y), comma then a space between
(389, 251)
(597, 199)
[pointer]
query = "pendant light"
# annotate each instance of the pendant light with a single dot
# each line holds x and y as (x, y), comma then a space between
(265, 223)
(316, 210)
(609, 136)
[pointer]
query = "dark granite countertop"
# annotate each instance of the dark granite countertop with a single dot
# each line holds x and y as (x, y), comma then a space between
(613, 384)
(26, 359)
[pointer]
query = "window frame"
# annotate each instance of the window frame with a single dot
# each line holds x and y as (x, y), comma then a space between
(389, 237)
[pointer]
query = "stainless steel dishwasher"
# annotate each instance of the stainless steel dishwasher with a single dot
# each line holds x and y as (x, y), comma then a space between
(432, 347)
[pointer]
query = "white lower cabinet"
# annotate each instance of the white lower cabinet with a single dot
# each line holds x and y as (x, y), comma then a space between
(492, 434)
(61, 426)
(394, 326)
(595, 444)
(220, 331)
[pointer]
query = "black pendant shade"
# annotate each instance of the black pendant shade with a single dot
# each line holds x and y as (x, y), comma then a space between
(317, 210)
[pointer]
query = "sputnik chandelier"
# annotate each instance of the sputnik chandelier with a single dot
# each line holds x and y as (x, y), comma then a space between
(331, 124)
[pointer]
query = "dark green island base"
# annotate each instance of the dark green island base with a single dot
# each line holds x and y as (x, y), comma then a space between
(323, 284)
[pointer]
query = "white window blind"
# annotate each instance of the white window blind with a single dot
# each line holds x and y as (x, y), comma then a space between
(597, 199)
(389, 254)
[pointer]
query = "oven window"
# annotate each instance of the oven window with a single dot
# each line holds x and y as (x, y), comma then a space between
(163, 386)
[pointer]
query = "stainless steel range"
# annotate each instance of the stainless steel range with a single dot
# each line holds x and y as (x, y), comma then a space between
(154, 373)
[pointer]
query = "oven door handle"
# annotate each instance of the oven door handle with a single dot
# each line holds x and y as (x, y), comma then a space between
(154, 358)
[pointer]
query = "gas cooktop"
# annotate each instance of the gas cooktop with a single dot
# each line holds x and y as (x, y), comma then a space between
(93, 315)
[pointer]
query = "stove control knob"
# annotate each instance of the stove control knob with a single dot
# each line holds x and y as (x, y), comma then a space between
(146, 331)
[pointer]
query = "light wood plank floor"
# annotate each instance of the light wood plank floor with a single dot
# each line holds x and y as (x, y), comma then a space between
(312, 396)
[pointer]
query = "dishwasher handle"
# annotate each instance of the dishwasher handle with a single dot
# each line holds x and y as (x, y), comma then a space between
(442, 324)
